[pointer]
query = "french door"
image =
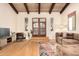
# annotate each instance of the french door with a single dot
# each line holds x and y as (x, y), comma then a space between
(39, 26)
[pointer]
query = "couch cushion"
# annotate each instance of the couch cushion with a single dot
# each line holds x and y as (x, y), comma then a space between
(76, 36)
(64, 35)
(70, 35)
(70, 41)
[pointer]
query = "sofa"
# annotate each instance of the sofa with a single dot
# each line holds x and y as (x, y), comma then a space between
(68, 43)
(67, 38)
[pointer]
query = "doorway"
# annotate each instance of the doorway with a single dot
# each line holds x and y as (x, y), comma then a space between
(39, 26)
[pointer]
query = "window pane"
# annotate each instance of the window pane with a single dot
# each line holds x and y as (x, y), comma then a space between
(73, 23)
(70, 23)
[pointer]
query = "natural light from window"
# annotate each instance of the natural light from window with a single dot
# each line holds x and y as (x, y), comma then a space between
(70, 23)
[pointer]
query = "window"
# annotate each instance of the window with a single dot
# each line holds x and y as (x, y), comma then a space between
(72, 21)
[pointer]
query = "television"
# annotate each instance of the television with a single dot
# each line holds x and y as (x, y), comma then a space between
(4, 32)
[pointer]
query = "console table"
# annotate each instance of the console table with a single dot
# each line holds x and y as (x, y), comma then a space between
(3, 42)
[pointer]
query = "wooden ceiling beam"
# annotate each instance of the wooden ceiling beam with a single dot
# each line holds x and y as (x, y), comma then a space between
(25, 4)
(12, 6)
(51, 8)
(66, 5)
(39, 8)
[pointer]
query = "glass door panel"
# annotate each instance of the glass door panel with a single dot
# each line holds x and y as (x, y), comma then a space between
(42, 19)
(35, 27)
(42, 31)
(42, 27)
(39, 26)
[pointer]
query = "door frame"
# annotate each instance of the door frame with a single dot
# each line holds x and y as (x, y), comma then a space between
(39, 25)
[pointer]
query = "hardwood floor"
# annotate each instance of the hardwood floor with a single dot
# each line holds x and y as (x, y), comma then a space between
(31, 48)
(24, 48)
(39, 39)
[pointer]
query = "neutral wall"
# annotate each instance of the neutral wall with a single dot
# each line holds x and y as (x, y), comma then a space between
(7, 17)
(71, 8)
(56, 16)
(16, 23)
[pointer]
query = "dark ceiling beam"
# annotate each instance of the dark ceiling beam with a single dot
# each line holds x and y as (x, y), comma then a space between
(25, 4)
(12, 6)
(51, 8)
(39, 8)
(66, 5)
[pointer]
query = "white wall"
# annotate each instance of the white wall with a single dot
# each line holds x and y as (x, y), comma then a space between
(7, 17)
(71, 8)
(55, 15)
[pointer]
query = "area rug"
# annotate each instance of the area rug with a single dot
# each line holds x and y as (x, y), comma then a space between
(47, 49)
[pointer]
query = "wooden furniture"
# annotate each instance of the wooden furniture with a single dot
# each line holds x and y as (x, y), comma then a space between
(20, 36)
(9, 39)
(12, 38)
(3, 42)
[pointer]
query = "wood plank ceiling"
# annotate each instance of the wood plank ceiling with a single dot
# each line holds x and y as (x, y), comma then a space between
(39, 7)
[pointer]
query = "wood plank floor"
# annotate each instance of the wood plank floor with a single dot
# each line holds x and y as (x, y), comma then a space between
(31, 48)
(24, 48)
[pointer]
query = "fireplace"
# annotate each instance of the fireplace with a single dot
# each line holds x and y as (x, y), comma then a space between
(9, 39)
(20, 36)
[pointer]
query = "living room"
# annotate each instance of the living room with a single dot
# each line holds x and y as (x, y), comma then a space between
(59, 18)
